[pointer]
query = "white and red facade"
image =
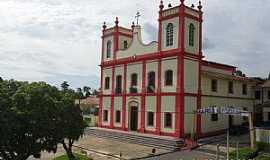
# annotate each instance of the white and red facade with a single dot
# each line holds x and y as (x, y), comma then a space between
(165, 108)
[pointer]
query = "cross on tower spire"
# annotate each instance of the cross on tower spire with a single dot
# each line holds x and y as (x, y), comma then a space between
(138, 15)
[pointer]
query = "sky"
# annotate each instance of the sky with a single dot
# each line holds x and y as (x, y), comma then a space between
(60, 40)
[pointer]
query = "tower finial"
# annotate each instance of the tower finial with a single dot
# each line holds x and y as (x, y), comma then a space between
(161, 6)
(116, 21)
(104, 26)
(182, 1)
(133, 26)
(200, 6)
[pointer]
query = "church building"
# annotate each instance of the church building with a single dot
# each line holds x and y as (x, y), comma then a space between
(155, 88)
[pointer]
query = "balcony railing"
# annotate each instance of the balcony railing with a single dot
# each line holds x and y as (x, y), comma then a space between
(133, 90)
(118, 90)
(150, 89)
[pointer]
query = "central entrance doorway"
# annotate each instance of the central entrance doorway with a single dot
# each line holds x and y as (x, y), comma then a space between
(133, 118)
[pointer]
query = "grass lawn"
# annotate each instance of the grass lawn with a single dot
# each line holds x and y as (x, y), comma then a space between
(79, 157)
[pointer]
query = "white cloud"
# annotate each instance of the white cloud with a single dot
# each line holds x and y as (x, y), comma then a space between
(58, 39)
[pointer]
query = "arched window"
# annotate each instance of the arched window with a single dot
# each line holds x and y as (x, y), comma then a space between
(169, 35)
(125, 44)
(134, 79)
(191, 34)
(118, 89)
(109, 49)
(169, 78)
(151, 82)
(107, 83)
(134, 83)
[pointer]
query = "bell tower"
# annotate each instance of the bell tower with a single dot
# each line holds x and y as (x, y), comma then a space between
(114, 39)
(180, 32)
(180, 27)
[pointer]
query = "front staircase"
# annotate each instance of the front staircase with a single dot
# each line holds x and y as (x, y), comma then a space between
(158, 142)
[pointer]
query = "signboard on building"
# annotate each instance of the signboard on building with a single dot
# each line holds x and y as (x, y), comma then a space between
(223, 110)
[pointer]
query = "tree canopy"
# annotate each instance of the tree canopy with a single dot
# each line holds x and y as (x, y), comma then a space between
(35, 117)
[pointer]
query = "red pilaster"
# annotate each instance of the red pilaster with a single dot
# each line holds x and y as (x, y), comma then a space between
(158, 109)
(199, 98)
(124, 99)
(179, 124)
(158, 97)
(101, 79)
(142, 129)
(115, 49)
(112, 98)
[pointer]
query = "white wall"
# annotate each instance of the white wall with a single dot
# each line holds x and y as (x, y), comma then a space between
(190, 107)
(175, 22)
(117, 106)
(168, 105)
(166, 65)
(150, 106)
(106, 106)
(222, 123)
(134, 68)
(107, 72)
(191, 77)
(192, 49)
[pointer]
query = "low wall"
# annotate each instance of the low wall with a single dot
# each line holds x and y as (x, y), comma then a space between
(263, 135)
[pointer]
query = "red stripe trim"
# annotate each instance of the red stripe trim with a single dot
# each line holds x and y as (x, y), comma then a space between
(117, 33)
(142, 129)
(139, 58)
(124, 99)
(151, 94)
(199, 98)
(158, 100)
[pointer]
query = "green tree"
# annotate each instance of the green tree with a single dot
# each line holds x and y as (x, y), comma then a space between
(29, 120)
(80, 93)
(71, 121)
(87, 91)
(36, 117)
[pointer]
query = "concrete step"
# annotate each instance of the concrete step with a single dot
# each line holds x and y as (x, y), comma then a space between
(166, 142)
(141, 141)
(136, 136)
(155, 142)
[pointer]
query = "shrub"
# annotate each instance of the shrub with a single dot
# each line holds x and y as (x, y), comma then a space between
(262, 146)
(244, 154)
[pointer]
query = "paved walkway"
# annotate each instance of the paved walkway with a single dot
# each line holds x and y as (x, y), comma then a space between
(184, 155)
(105, 149)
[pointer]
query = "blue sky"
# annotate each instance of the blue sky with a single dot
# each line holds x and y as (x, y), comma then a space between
(57, 40)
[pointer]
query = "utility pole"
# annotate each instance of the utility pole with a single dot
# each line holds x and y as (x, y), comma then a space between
(193, 127)
(217, 156)
(251, 130)
(228, 144)
(237, 150)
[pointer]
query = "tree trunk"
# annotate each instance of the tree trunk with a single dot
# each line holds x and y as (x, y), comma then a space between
(68, 150)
